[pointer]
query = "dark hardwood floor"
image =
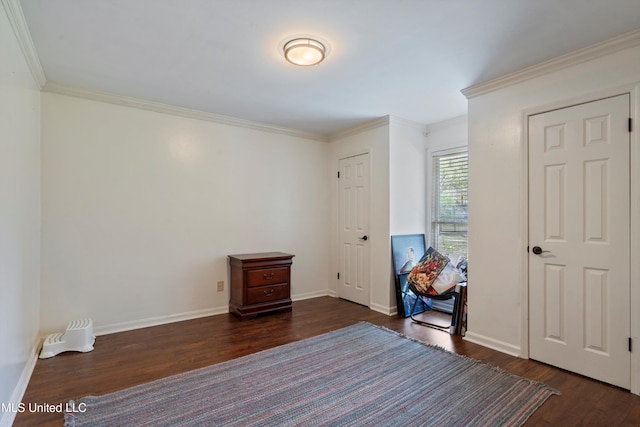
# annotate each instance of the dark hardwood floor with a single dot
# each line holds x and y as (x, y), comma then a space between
(129, 358)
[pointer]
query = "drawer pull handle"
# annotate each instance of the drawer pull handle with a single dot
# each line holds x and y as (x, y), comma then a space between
(269, 292)
(268, 276)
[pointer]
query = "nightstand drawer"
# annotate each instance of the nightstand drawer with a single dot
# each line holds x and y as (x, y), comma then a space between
(267, 276)
(269, 293)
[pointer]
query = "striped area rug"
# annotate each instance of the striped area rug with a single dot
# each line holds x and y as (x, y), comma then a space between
(359, 375)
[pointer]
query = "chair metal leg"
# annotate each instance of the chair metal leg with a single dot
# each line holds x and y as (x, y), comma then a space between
(423, 323)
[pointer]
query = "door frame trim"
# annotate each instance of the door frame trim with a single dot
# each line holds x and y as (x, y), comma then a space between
(634, 275)
(338, 158)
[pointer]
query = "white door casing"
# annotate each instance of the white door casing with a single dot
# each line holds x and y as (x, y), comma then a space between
(579, 211)
(354, 254)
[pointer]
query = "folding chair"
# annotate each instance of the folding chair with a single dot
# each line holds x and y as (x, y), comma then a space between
(441, 297)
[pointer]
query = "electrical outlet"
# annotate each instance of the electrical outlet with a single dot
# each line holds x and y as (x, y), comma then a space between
(221, 286)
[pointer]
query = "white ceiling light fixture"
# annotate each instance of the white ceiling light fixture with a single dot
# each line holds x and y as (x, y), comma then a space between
(305, 51)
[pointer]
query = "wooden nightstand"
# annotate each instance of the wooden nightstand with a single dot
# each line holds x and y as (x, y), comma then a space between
(260, 283)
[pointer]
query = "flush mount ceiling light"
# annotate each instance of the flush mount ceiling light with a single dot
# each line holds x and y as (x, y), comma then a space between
(304, 51)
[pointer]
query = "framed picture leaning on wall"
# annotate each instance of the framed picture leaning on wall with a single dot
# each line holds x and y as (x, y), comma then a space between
(406, 252)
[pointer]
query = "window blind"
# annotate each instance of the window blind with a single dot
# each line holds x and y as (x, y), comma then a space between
(450, 207)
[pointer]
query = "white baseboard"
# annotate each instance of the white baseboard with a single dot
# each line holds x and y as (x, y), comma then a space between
(389, 311)
(493, 344)
(309, 295)
(161, 320)
(7, 418)
(155, 321)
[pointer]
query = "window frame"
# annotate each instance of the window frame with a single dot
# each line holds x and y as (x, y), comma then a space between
(445, 149)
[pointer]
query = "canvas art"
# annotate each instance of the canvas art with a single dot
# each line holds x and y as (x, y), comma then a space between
(407, 250)
(448, 278)
(427, 270)
(406, 298)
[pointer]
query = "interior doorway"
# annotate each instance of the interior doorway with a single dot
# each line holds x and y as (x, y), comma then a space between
(579, 239)
(354, 262)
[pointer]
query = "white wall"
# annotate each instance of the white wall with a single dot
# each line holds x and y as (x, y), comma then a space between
(375, 141)
(407, 184)
(447, 134)
(19, 218)
(497, 196)
(407, 177)
(140, 210)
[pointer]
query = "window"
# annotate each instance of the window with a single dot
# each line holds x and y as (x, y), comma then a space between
(449, 204)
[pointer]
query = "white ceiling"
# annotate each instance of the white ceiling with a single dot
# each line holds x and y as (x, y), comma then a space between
(407, 58)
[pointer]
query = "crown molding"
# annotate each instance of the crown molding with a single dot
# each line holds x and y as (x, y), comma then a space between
(19, 25)
(372, 124)
(446, 124)
(399, 121)
(177, 111)
(216, 118)
(598, 50)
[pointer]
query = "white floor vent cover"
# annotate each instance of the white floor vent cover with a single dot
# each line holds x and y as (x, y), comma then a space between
(77, 337)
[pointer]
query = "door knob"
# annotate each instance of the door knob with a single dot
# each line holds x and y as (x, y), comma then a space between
(538, 250)
(365, 238)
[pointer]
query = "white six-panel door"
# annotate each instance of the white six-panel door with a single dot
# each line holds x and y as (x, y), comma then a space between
(579, 216)
(354, 262)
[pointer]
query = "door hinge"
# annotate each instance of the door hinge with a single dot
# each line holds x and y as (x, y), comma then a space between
(338, 276)
(630, 124)
(338, 174)
(629, 343)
